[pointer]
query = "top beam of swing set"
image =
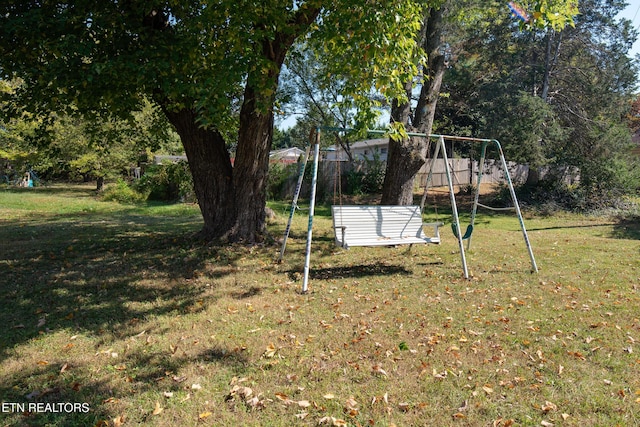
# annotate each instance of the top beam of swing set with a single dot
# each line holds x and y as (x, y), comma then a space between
(441, 146)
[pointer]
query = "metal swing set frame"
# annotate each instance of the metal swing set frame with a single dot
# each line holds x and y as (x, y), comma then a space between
(440, 149)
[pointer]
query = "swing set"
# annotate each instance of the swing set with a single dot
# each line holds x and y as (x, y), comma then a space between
(361, 225)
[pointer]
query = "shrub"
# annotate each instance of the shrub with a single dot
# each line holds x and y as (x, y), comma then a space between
(121, 192)
(167, 182)
(281, 180)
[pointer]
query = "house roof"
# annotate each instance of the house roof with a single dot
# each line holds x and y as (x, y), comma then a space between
(370, 143)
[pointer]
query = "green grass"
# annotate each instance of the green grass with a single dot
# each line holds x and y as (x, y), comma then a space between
(117, 306)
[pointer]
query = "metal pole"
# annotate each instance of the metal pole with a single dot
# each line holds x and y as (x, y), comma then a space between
(423, 201)
(474, 211)
(534, 266)
(294, 204)
(454, 208)
(312, 206)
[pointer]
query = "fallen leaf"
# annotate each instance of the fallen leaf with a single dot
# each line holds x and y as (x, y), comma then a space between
(546, 423)
(158, 409)
(351, 403)
(204, 415)
(64, 367)
(42, 362)
(549, 406)
(196, 386)
(304, 403)
(118, 421)
(329, 396)
(168, 394)
(270, 351)
(378, 370)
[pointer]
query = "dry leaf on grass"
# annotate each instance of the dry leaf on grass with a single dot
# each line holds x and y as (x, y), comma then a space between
(158, 409)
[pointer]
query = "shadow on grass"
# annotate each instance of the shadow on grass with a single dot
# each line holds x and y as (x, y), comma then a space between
(99, 274)
(627, 228)
(623, 228)
(80, 395)
(356, 271)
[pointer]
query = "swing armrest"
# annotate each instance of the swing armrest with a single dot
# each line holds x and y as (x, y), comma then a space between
(343, 228)
(436, 232)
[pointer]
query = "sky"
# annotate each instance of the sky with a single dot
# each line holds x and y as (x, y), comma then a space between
(632, 12)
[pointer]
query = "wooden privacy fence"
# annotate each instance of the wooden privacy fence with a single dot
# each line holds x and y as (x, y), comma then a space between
(464, 172)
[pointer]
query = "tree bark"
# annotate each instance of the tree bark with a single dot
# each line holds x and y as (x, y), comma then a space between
(406, 157)
(212, 173)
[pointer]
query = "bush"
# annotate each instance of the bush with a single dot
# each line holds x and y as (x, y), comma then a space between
(369, 179)
(281, 181)
(167, 182)
(121, 192)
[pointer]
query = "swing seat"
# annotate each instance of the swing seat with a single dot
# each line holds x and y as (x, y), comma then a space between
(358, 225)
(467, 233)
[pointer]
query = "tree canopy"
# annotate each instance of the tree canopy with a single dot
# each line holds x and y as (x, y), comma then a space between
(554, 99)
(213, 67)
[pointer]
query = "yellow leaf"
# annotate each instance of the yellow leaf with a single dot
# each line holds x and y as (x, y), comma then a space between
(270, 351)
(158, 409)
(204, 415)
(42, 362)
(118, 421)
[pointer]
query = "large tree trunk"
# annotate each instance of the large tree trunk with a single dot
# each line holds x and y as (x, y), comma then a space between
(212, 173)
(251, 168)
(406, 157)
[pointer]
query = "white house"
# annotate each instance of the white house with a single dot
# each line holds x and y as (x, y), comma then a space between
(360, 150)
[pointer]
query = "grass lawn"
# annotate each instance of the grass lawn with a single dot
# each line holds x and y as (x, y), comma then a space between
(113, 315)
